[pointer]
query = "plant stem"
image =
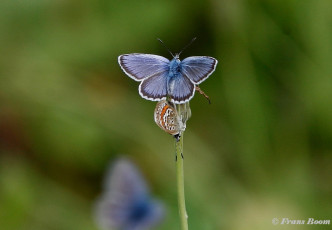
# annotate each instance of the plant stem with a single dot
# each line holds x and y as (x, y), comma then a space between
(180, 182)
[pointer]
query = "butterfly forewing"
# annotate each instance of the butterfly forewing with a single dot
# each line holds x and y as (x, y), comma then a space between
(140, 66)
(125, 178)
(198, 68)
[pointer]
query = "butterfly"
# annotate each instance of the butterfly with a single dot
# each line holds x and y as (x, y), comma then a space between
(167, 119)
(126, 203)
(161, 78)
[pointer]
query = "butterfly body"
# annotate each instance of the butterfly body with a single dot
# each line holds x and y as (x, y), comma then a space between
(161, 78)
(174, 66)
(140, 210)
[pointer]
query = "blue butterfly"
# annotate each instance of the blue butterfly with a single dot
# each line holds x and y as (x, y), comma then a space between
(126, 203)
(161, 78)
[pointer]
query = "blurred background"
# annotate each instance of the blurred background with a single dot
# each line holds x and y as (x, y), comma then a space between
(261, 150)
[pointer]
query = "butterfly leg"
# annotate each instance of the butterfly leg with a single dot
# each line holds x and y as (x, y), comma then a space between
(177, 137)
(176, 156)
(202, 93)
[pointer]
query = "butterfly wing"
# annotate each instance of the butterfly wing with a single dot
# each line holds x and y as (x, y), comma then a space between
(140, 66)
(180, 89)
(198, 68)
(124, 177)
(124, 187)
(154, 88)
(166, 118)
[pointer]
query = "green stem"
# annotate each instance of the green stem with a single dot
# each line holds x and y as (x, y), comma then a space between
(180, 182)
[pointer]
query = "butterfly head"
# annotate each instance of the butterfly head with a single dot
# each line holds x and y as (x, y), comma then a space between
(177, 57)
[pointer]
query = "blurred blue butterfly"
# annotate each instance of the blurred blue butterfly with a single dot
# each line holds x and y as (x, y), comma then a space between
(126, 203)
(161, 78)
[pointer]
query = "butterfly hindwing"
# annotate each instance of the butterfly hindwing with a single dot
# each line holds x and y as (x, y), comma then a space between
(154, 88)
(140, 66)
(180, 89)
(198, 68)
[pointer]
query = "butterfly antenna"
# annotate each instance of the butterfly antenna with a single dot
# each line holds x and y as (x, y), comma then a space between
(165, 47)
(192, 40)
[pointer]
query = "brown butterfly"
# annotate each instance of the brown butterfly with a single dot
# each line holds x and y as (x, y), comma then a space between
(167, 119)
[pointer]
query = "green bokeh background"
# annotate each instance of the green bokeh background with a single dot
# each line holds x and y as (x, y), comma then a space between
(261, 150)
